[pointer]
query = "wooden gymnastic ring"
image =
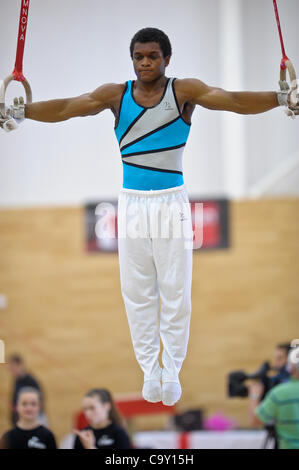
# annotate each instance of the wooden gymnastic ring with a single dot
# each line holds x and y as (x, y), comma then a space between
(293, 78)
(4, 86)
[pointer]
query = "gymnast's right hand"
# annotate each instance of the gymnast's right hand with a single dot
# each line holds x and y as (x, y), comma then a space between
(13, 115)
(7, 123)
(17, 110)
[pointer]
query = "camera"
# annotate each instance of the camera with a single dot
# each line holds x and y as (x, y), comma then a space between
(236, 379)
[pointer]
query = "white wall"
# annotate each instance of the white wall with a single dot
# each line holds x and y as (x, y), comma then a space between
(271, 138)
(73, 46)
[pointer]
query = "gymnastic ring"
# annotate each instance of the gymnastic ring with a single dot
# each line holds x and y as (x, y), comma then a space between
(4, 86)
(293, 78)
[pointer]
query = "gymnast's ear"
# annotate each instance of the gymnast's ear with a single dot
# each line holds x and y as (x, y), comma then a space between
(167, 60)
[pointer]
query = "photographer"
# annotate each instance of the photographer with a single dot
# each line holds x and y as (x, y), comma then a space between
(257, 390)
(280, 405)
(279, 364)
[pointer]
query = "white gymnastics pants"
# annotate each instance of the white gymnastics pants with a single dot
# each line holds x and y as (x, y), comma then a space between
(155, 241)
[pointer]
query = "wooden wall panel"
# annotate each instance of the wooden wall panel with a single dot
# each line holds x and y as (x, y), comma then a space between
(66, 315)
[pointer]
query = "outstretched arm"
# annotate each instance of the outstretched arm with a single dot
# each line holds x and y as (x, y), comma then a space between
(104, 97)
(241, 102)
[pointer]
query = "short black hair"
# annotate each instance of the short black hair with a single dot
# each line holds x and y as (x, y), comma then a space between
(152, 35)
(16, 358)
(285, 346)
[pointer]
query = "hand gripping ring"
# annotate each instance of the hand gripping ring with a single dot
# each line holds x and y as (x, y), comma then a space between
(3, 87)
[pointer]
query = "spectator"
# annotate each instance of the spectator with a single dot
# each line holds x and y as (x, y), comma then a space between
(28, 433)
(106, 430)
(258, 392)
(23, 379)
(280, 364)
(281, 406)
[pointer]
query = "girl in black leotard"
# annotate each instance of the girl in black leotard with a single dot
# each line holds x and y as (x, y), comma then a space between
(106, 430)
(28, 433)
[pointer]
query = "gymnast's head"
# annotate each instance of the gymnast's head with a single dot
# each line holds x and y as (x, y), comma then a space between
(150, 51)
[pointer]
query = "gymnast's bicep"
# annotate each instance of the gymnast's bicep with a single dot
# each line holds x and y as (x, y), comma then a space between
(197, 92)
(88, 104)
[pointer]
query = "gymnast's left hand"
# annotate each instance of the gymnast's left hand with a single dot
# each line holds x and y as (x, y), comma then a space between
(292, 111)
(288, 98)
(13, 115)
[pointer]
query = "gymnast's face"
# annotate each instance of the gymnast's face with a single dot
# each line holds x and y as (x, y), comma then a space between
(149, 63)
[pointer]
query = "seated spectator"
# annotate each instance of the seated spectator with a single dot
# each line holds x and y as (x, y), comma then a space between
(28, 433)
(106, 430)
(281, 406)
(22, 378)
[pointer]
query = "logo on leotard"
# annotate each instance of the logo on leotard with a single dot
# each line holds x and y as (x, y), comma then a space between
(167, 106)
(182, 216)
(35, 443)
(105, 440)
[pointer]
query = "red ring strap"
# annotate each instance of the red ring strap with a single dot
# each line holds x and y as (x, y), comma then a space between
(284, 56)
(18, 70)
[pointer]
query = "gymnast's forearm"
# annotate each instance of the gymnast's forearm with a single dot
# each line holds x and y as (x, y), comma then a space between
(49, 111)
(254, 102)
